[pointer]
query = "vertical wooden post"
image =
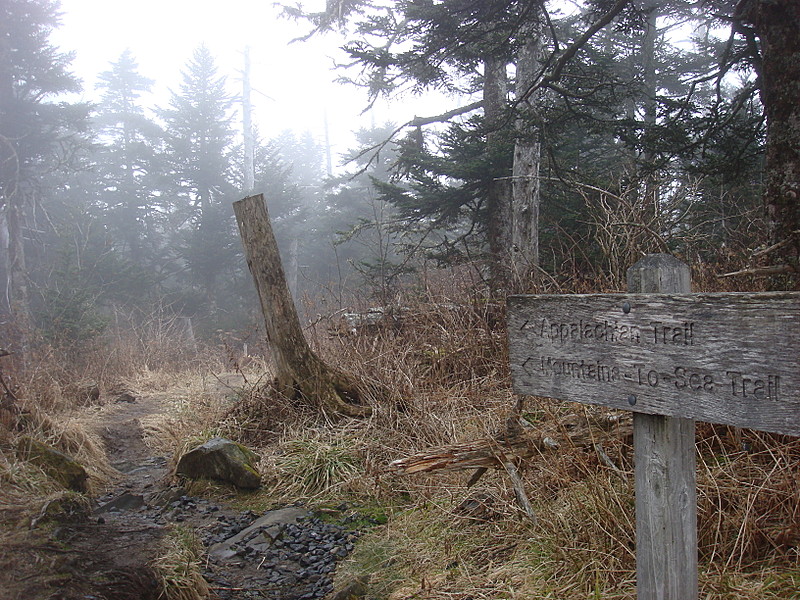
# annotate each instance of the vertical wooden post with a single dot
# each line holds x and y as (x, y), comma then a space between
(664, 453)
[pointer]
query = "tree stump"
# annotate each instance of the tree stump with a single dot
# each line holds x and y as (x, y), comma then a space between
(299, 371)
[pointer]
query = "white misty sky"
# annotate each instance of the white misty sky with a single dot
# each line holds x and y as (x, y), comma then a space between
(296, 79)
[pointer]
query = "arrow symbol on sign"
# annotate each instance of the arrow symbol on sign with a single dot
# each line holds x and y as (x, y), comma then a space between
(525, 365)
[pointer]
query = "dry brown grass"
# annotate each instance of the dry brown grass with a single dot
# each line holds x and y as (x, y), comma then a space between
(450, 369)
(179, 566)
(26, 486)
(49, 401)
(749, 498)
(583, 543)
(444, 357)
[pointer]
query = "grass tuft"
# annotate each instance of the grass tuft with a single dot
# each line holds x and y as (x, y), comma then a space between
(179, 566)
(315, 467)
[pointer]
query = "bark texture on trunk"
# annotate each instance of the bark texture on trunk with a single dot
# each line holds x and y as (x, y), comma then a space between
(498, 199)
(525, 172)
(652, 188)
(17, 272)
(776, 23)
(299, 371)
(14, 306)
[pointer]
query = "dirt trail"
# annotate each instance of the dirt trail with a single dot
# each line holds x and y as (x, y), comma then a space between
(284, 554)
(106, 555)
(112, 550)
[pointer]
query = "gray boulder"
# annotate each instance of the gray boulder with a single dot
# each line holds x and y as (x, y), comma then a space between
(260, 534)
(222, 460)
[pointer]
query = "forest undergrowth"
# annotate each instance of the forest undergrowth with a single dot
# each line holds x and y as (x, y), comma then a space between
(442, 351)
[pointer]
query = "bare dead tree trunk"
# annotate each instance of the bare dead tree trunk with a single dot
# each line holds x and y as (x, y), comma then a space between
(247, 126)
(647, 55)
(527, 156)
(17, 272)
(294, 266)
(498, 200)
(299, 371)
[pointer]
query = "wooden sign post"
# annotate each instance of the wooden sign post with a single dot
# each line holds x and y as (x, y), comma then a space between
(665, 470)
(671, 357)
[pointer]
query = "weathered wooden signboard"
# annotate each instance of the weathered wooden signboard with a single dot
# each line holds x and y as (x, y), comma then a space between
(731, 358)
(672, 358)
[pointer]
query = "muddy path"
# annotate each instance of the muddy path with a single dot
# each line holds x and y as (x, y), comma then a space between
(97, 552)
(113, 548)
(287, 553)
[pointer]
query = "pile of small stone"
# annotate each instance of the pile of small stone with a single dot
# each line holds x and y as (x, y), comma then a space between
(287, 553)
(186, 507)
(287, 560)
(226, 526)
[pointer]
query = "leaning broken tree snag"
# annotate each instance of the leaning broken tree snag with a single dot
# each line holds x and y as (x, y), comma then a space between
(299, 372)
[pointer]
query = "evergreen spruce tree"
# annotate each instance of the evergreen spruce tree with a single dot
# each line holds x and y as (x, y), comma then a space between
(770, 29)
(464, 47)
(369, 240)
(38, 133)
(127, 161)
(467, 48)
(301, 241)
(199, 175)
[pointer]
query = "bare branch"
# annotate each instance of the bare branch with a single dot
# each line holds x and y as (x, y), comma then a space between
(762, 271)
(777, 246)
(419, 121)
(555, 74)
(376, 149)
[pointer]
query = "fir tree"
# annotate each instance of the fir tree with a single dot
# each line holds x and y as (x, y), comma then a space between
(127, 160)
(466, 47)
(198, 146)
(38, 131)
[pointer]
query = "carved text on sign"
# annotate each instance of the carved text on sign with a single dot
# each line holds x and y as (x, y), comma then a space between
(656, 332)
(723, 358)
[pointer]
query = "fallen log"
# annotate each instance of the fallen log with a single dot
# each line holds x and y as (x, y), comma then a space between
(519, 441)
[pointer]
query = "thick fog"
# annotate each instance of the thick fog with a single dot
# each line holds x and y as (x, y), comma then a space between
(525, 155)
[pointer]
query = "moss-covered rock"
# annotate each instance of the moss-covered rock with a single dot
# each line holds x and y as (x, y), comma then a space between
(222, 460)
(57, 465)
(66, 507)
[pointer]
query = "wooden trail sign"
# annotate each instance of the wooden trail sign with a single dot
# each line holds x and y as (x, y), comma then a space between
(727, 358)
(671, 357)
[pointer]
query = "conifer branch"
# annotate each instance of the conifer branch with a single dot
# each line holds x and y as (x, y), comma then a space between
(572, 50)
